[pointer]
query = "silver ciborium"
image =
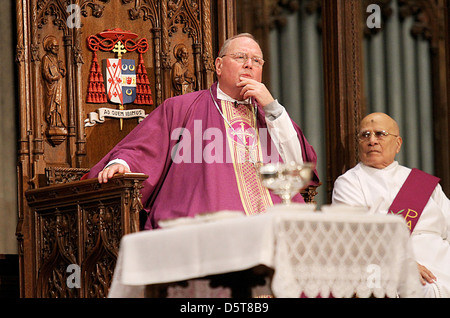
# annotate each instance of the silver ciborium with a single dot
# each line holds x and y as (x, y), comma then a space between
(286, 179)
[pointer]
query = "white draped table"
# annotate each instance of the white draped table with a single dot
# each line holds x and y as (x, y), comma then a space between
(311, 253)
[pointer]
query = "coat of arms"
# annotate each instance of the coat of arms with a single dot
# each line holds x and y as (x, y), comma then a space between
(121, 82)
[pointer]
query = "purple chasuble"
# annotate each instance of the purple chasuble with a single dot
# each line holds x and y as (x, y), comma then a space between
(182, 147)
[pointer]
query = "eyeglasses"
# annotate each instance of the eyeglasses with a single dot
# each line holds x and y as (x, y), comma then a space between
(380, 134)
(241, 58)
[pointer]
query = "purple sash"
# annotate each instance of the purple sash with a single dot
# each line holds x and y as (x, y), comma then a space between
(413, 196)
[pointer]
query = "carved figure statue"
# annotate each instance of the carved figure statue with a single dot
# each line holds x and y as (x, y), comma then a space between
(52, 72)
(182, 78)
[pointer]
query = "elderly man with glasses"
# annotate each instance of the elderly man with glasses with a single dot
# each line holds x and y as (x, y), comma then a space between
(380, 183)
(202, 150)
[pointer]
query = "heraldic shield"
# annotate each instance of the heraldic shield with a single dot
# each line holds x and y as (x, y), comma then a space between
(120, 80)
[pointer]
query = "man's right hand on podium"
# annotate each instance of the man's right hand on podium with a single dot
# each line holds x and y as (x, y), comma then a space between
(110, 171)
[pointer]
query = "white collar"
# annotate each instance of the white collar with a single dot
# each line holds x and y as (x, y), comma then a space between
(221, 95)
(393, 165)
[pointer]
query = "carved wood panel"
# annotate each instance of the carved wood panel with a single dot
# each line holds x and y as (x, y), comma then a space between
(56, 69)
(60, 78)
(79, 225)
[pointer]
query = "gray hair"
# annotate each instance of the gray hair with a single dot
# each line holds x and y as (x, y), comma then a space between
(227, 42)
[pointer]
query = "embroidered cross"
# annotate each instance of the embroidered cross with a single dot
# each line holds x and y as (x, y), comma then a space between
(242, 134)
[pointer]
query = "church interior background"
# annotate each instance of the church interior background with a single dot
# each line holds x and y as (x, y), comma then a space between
(401, 67)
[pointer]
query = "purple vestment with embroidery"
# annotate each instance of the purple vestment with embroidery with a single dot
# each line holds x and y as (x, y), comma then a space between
(192, 186)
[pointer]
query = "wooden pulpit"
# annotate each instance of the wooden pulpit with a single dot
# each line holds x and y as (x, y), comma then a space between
(75, 232)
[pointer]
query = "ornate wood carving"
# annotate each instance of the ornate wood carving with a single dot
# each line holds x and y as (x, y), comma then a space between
(53, 73)
(427, 18)
(183, 80)
(279, 9)
(95, 8)
(309, 193)
(47, 157)
(183, 24)
(64, 175)
(147, 10)
(81, 223)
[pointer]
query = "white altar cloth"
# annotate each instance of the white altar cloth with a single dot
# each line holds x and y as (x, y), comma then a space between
(313, 253)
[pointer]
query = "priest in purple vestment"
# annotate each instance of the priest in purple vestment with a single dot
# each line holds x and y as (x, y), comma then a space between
(202, 150)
